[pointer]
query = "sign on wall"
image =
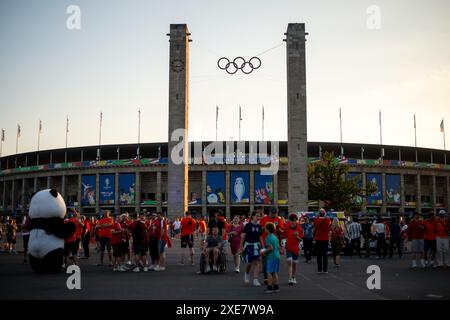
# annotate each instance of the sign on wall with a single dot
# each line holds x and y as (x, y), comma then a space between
(127, 188)
(239, 185)
(263, 188)
(88, 195)
(215, 187)
(107, 189)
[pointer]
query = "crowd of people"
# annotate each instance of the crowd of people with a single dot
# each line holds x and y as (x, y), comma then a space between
(258, 239)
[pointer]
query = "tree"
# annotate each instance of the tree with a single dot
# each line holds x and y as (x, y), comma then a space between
(328, 182)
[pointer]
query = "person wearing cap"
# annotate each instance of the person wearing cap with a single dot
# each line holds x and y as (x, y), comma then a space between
(322, 227)
(442, 230)
(415, 233)
(293, 234)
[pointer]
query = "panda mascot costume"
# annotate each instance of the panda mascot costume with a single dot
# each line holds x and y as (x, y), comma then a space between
(48, 231)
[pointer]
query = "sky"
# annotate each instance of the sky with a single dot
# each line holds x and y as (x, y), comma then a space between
(118, 62)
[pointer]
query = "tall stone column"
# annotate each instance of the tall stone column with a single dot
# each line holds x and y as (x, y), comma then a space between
(35, 185)
(296, 113)
(177, 184)
(49, 182)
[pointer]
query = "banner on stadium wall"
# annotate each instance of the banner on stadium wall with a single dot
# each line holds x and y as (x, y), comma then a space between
(352, 175)
(88, 190)
(239, 185)
(263, 188)
(215, 187)
(393, 189)
(375, 198)
(127, 188)
(107, 189)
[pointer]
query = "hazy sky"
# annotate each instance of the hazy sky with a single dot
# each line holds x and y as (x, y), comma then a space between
(118, 62)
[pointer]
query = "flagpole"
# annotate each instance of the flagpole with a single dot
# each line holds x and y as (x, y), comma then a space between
(139, 134)
(240, 123)
(415, 136)
(39, 140)
(17, 139)
(67, 132)
(263, 123)
(217, 119)
(1, 142)
(381, 137)
(340, 130)
(100, 136)
(443, 135)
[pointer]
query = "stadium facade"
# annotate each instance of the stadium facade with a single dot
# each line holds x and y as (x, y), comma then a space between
(120, 182)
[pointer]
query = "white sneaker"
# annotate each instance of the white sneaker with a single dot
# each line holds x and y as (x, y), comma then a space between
(156, 268)
(208, 269)
(246, 278)
(236, 269)
(256, 283)
(290, 281)
(162, 268)
(422, 263)
(145, 269)
(414, 264)
(129, 262)
(215, 269)
(115, 269)
(121, 269)
(136, 269)
(294, 281)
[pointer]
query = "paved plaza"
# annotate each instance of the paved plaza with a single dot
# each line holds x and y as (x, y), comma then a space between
(398, 281)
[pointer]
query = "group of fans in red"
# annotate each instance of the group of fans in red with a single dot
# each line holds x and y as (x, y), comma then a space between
(258, 239)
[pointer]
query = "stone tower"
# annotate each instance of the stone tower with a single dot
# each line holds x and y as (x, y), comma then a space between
(177, 186)
(297, 129)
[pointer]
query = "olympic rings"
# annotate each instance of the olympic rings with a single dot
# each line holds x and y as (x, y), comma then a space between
(239, 63)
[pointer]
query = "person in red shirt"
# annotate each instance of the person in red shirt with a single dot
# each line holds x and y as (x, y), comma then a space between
(125, 243)
(79, 228)
(430, 239)
(293, 234)
(202, 228)
(164, 240)
(116, 239)
(415, 233)
(187, 227)
(442, 231)
(70, 244)
(279, 226)
(155, 233)
(322, 226)
(105, 226)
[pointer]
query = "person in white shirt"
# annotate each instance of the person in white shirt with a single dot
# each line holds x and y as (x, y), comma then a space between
(379, 231)
(354, 232)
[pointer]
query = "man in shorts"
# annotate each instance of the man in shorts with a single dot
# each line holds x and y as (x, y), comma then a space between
(416, 232)
(187, 228)
(138, 233)
(293, 234)
(250, 246)
(105, 226)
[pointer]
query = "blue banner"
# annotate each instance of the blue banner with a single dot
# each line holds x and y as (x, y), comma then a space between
(358, 176)
(127, 188)
(375, 198)
(263, 188)
(239, 185)
(393, 189)
(88, 195)
(215, 187)
(107, 188)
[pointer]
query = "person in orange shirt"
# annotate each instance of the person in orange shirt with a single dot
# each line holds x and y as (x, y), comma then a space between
(187, 227)
(202, 228)
(293, 234)
(442, 231)
(105, 226)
